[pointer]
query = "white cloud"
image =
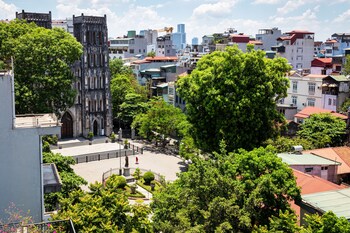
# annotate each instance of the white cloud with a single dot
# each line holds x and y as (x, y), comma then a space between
(7, 11)
(345, 16)
(266, 1)
(290, 6)
(134, 18)
(219, 8)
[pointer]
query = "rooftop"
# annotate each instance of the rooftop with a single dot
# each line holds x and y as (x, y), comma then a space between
(36, 120)
(305, 159)
(308, 111)
(339, 154)
(337, 201)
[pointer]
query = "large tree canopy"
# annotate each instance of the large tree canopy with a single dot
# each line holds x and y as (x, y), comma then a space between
(233, 193)
(127, 93)
(323, 129)
(232, 95)
(160, 119)
(42, 66)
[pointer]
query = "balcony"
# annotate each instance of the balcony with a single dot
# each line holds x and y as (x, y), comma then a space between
(66, 226)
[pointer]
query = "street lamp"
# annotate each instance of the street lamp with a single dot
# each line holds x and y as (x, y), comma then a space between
(120, 153)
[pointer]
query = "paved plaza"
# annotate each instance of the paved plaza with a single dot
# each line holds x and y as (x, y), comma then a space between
(166, 165)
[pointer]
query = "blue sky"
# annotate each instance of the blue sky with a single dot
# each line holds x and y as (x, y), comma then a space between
(201, 17)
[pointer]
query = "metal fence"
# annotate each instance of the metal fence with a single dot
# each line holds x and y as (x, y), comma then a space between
(133, 150)
(107, 174)
(66, 226)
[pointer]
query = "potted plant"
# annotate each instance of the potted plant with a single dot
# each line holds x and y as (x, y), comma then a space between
(90, 136)
(126, 144)
(112, 137)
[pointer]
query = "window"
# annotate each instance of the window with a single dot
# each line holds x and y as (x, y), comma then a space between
(324, 168)
(334, 102)
(294, 100)
(295, 86)
(309, 169)
(312, 87)
(131, 51)
(329, 101)
(311, 102)
(281, 101)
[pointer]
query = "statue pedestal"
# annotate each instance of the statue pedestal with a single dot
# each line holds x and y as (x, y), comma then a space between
(126, 172)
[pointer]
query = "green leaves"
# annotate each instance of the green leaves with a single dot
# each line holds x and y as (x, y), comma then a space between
(323, 129)
(160, 120)
(232, 95)
(42, 65)
(233, 193)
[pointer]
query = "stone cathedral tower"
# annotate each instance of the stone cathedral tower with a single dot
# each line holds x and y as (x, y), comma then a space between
(92, 110)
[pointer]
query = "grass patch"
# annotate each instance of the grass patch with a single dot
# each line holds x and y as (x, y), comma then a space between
(129, 194)
(158, 187)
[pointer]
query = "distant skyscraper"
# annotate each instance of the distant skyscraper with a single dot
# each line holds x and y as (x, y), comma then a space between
(179, 37)
(195, 41)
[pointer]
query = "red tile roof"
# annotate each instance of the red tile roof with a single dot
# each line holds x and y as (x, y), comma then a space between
(174, 58)
(331, 41)
(321, 62)
(339, 154)
(308, 111)
(311, 184)
(239, 38)
(255, 42)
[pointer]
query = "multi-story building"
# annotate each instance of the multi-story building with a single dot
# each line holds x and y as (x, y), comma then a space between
(40, 19)
(297, 47)
(65, 24)
(179, 37)
(92, 110)
(165, 46)
(22, 181)
(128, 47)
(304, 90)
(321, 66)
(268, 37)
(335, 90)
(343, 42)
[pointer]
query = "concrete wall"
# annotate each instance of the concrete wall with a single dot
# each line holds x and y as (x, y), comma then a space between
(20, 159)
(331, 172)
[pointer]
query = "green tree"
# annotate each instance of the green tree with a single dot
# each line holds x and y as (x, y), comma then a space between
(346, 68)
(125, 89)
(160, 121)
(232, 95)
(116, 66)
(327, 223)
(234, 192)
(70, 180)
(104, 209)
(42, 66)
(322, 130)
(151, 54)
(133, 105)
(345, 106)
(284, 144)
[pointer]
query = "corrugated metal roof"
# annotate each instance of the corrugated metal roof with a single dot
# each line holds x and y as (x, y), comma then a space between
(337, 201)
(340, 78)
(305, 159)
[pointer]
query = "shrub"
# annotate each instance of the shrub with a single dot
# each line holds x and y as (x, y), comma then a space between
(116, 182)
(90, 135)
(148, 177)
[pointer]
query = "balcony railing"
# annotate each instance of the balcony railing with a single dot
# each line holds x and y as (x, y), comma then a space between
(42, 227)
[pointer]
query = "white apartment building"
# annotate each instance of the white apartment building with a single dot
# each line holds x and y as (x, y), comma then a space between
(297, 47)
(268, 37)
(304, 91)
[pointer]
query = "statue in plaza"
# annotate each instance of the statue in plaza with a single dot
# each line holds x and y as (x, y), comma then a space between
(126, 161)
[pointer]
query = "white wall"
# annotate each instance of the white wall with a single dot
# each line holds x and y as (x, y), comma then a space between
(303, 92)
(20, 156)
